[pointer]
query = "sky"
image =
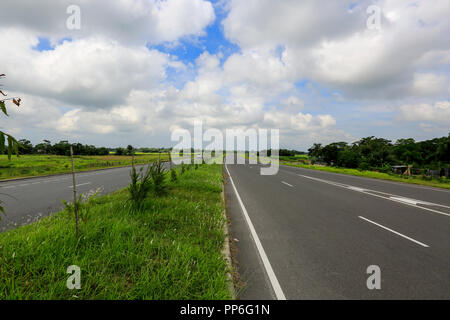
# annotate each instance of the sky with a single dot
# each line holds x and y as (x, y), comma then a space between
(136, 70)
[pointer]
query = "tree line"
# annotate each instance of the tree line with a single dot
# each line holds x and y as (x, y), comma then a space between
(62, 148)
(378, 153)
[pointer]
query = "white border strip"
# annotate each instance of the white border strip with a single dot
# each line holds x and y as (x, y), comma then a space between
(391, 197)
(81, 184)
(272, 277)
(397, 233)
(290, 185)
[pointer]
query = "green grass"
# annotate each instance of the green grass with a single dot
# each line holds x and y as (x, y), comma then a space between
(442, 183)
(302, 158)
(169, 250)
(39, 165)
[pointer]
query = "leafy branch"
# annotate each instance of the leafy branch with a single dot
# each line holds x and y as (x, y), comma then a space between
(7, 142)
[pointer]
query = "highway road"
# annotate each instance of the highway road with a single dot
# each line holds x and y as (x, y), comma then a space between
(300, 234)
(27, 200)
(305, 234)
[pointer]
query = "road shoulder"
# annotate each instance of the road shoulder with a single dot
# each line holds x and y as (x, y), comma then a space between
(251, 282)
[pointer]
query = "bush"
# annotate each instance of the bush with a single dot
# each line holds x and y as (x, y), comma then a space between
(364, 166)
(158, 174)
(140, 186)
(173, 175)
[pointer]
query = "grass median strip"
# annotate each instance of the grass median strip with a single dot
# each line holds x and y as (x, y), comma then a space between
(171, 249)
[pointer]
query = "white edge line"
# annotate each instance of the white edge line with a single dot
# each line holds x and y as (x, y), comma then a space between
(271, 274)
(418, 186)
(290, 185)
(397, 233)
(81, 184)
(376, 195)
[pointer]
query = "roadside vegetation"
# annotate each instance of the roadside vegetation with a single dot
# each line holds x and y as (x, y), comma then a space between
(166, 247)
(425, 163)
(431, 182)
(8, 144)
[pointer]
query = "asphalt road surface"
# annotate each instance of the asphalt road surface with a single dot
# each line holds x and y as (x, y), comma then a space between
(301, 234)
(304, 234)
(28, 200)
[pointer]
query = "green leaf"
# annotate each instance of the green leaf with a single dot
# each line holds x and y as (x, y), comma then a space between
(3, 107)
(2, 143)
(2, 211)
(10, 149)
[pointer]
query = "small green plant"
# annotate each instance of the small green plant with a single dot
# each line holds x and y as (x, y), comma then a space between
(83, 204)
(183, 169)
(158, 174)
(196, 166)
(173, 175)
(140, 186)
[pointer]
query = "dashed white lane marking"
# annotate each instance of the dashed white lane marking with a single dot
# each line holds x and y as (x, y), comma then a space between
(270, 273)
(393, 231)
(290, 185)
(81, 184)
(410, 202)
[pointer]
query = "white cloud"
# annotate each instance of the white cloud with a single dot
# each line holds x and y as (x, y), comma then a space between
(439, 113)
(430, 84)
(330, 43)
(266, 23)
(127, 21)
(106, 85)
(87, 72)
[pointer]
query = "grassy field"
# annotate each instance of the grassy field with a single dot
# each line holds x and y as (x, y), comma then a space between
(169, 250)
(439, 183)
(302, 158)
(38, 165)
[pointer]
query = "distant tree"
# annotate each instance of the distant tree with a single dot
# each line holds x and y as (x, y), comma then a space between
(408, 151)
(102, 151)
(287, 153)
(372, 152)
(120, 152)
(330, 153)
(349, 158)
(62, 148)
(443, 152)
(315, 151)
(130, 150)
(375, 151)
(25, 147)
(44, 147)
